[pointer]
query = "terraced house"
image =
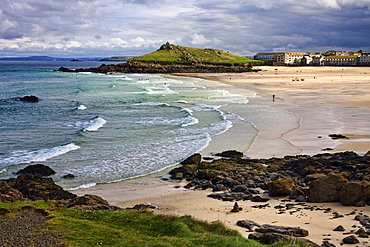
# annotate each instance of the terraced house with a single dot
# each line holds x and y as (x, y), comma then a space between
(329, 58)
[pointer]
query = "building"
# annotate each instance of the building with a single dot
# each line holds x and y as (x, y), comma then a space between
(268, 58)
(364, 59)
(287, 58)
(341, 60)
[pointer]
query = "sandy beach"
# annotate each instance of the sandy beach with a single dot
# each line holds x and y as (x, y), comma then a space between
(309, 104)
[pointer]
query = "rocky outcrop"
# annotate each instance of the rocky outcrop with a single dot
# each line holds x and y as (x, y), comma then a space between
(33, 185)
(162, 68)
(36, 187)
(324, 177)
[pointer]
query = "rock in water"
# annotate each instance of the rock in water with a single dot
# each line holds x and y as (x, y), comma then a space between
(37, 169)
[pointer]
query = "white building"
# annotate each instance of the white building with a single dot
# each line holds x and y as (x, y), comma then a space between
(364, 58)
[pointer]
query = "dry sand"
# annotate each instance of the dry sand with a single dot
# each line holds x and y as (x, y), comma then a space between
(330, 100)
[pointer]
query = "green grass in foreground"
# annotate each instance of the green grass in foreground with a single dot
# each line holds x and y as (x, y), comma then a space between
(138, 228)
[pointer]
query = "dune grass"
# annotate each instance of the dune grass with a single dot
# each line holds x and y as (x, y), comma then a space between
(138, 228)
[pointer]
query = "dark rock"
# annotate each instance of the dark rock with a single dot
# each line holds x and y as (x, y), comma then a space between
(354, 192)
(141, 207)
(69, 176)
(236, 208)
(350, 240)
(268, 238)
(35, 187)
(29, 99)
(248, 224)
(230, 154)
(37, 169)
(338, 136)
(8, 194)
(327, 188)
(327, 244)
(91, 202)
(240, 188)
(291, 231)
(258, 199)
(339, 228)
(281, 187)
(194, 159)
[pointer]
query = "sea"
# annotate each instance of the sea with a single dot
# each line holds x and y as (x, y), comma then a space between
(104, 128)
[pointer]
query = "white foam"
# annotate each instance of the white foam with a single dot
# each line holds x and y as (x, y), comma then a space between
(159, 90)
(81, 107)
(152, 104)
(83, 186)
(91, 125)
(26, 156)
(3, 170)
(190, 121)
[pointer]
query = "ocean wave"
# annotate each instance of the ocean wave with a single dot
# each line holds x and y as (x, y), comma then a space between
(152, 104)
(26, 156)
(91, 125)
(159, 90)
(190, 121)
(81, 107)
(83, 186)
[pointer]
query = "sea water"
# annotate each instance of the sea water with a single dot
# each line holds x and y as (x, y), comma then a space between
(105, 128)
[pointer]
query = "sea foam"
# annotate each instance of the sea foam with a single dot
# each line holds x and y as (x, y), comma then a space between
(91, 125)
(26, 156)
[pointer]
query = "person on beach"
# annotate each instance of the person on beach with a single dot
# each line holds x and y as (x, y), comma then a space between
(273, 97)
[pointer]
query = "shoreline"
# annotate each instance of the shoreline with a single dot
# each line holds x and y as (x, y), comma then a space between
(331, 100)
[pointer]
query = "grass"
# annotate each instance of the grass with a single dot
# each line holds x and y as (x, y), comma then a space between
(179, 54)
(138, 228)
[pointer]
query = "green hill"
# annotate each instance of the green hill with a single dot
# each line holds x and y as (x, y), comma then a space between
(169, 53)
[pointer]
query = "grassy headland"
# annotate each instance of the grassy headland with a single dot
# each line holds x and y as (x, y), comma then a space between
(184, 55)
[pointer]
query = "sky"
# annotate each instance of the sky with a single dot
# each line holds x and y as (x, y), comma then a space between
(105, 28)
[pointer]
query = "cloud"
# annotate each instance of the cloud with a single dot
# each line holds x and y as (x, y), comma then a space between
(136, 27)
(11, 33)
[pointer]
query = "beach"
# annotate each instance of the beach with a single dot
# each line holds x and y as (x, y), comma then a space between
(297, 109)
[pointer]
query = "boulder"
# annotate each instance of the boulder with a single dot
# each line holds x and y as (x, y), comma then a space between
(194, 159)
(352, 239)
(30, 99)
(281, 187)
(339, 228)
(268, 238)
(327, 189)
(91, 202)
(236, 208)
(230, 154)
(248, 224)
(354, 192)
(37, 169)
(291, 231)
(8, 194)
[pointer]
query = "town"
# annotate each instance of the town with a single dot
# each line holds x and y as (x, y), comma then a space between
(328, 58)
